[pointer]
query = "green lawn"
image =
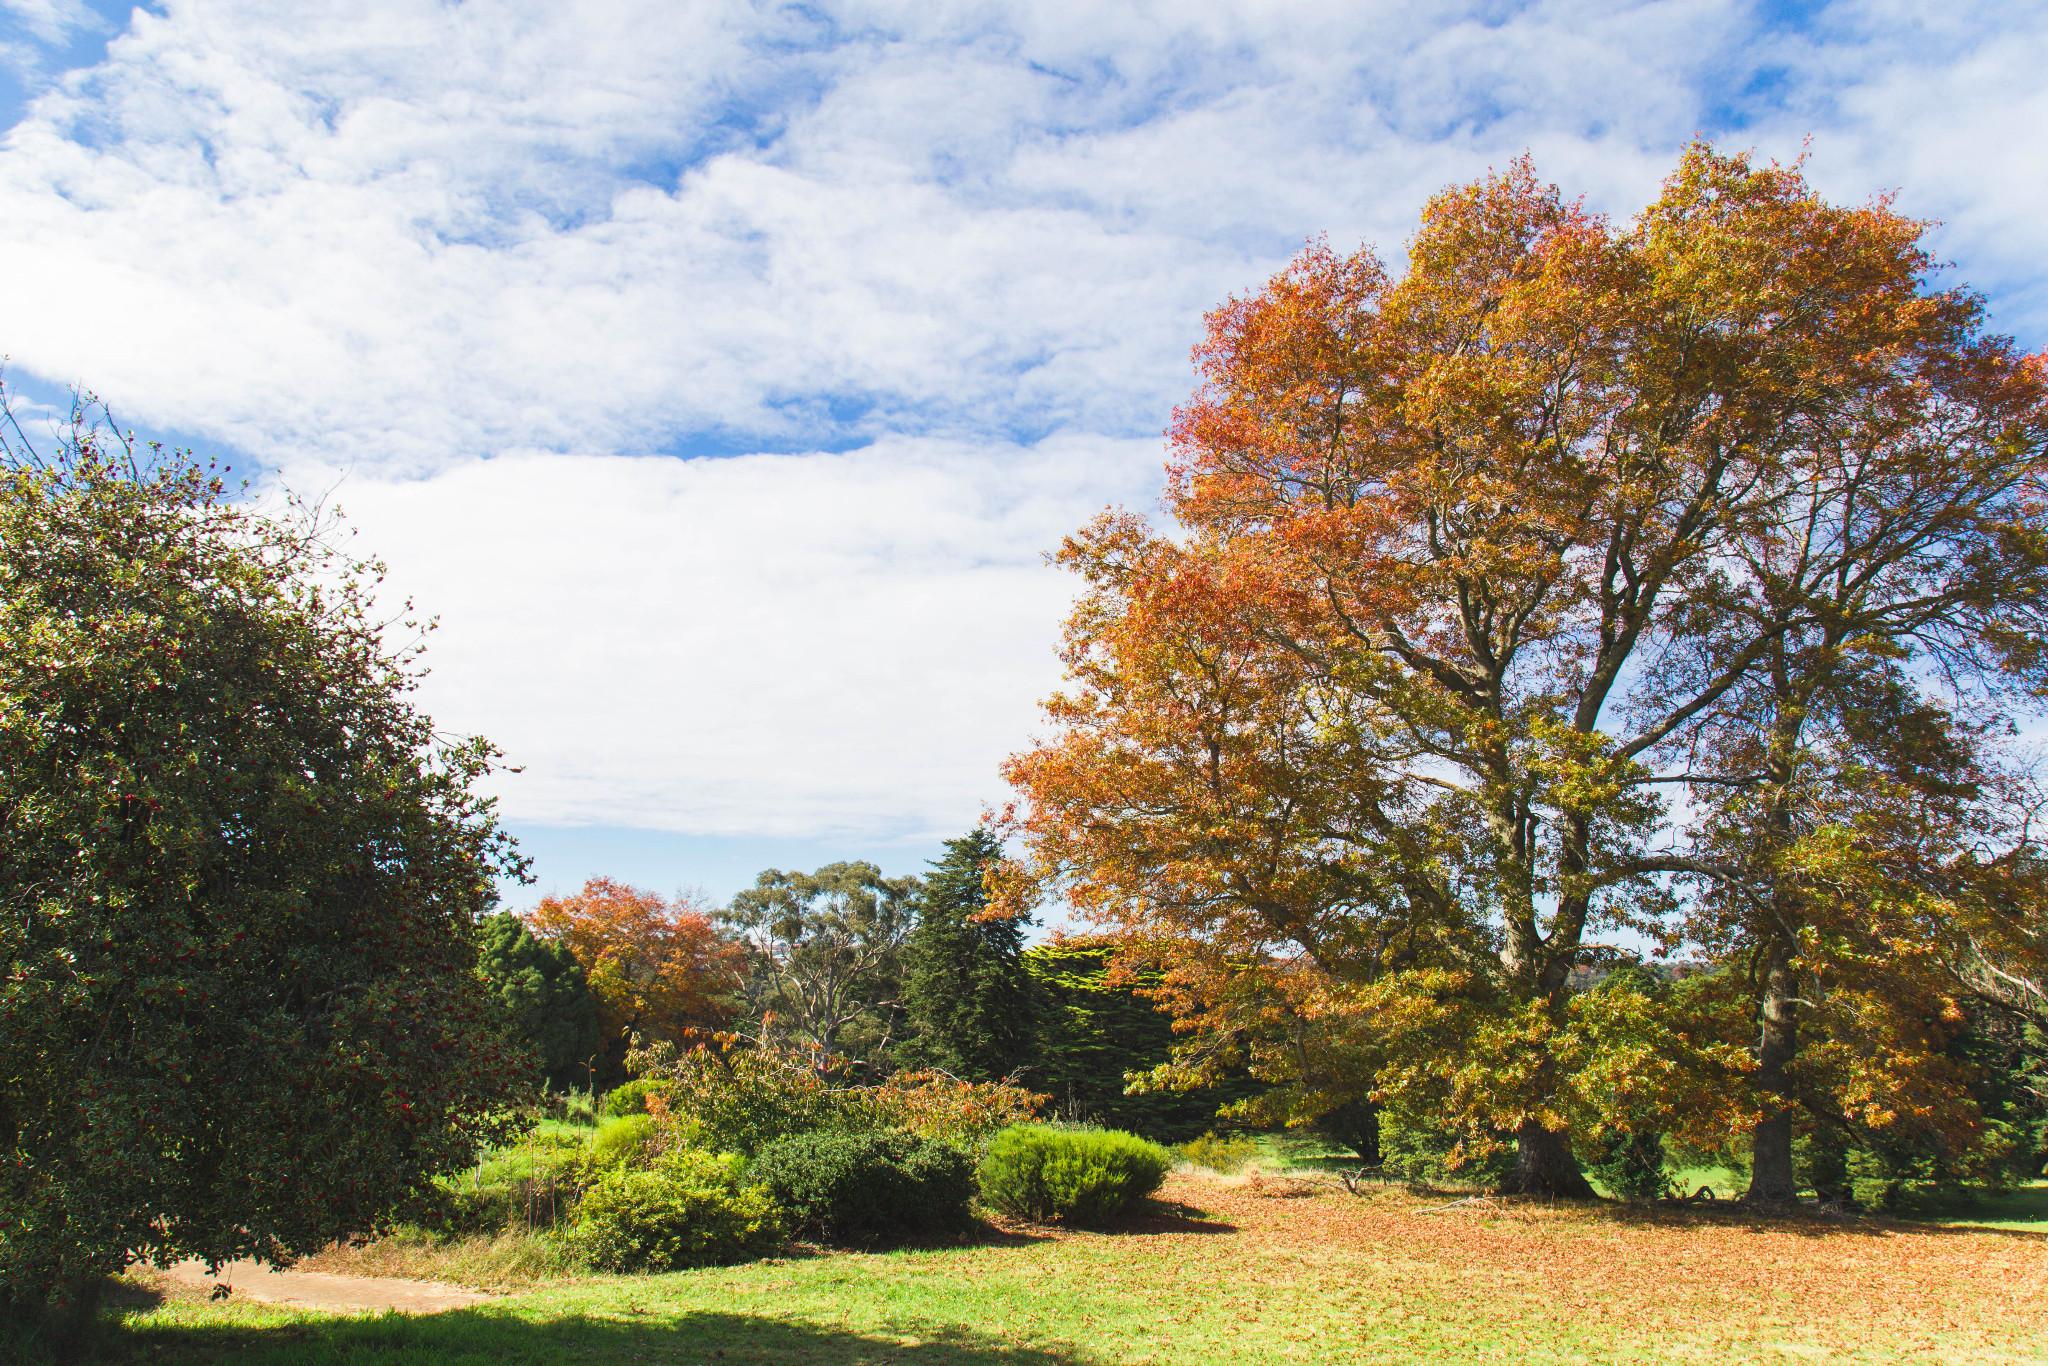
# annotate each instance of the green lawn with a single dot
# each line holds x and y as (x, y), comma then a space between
(1247, 1278)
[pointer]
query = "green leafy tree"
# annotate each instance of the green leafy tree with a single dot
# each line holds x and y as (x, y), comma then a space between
(827, 956)
(965, 989)
(543, 989)
(240, 1014)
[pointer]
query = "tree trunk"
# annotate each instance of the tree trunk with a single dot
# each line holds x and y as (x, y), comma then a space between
(71, 1327)
(1544, 1165)
(1771, 1180)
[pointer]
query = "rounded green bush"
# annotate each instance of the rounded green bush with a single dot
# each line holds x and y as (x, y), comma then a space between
(1079, 1175)
(631, 1099)
(689, 1209)
(861, 1187)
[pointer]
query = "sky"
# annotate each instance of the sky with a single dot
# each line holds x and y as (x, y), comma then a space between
(720, 374)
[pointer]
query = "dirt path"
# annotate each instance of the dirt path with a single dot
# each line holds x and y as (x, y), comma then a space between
(319, 1290)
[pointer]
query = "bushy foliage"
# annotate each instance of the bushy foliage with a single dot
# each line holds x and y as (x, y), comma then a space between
(851, 1187)
(743, 1098)
(542, 987)
(1631, 1165)
(690, 1209)
(1218, 1154)
(1427, 1152)
(631, 1099)
(657, 965)
(627, 1141)
(239, 1007)
(531, 1185)
(1082, 1176)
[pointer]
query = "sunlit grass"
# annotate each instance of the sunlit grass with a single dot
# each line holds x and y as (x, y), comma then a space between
(1233, 1276)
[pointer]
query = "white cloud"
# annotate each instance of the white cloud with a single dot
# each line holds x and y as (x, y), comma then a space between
(787, 645)
(400, 236)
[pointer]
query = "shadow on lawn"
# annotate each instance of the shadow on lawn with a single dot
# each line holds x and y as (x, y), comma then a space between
(490, 1336)
(1803, 1223)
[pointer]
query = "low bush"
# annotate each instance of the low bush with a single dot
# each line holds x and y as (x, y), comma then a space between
(689, 1209)
(740, 1099)
(529, 1186)
(868, 1187)
(1078, 1175)
(631, 1099)
(623, 1142)
(1224, 1155)
(1630, 1165)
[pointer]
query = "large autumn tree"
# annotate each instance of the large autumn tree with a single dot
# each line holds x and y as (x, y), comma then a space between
(239, 872)
(1482, 567)
(657, 965)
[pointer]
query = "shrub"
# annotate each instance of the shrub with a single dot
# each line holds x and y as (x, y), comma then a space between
(1218, 1154)
(1424, 1152)
(531, 1184)
(631, 1099)
(1631, 1165)
(742, 1099)
(627, 1141)
(1079, 1175)
(690, 1209)
(865, 1187)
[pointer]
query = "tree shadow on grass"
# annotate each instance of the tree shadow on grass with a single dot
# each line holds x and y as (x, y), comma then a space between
(496, 1336)
(1803, 1222)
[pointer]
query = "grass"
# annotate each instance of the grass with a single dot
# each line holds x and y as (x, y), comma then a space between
(1227, 1273)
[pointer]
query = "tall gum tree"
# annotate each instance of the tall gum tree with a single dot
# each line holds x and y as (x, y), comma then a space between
(1375, 749)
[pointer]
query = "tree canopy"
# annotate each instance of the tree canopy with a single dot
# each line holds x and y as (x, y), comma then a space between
(965, 989)
(1667, 579)
(657, 965)
(239, 872)
(827, 952)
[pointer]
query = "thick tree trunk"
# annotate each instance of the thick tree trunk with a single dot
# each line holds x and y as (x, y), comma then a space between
(1771, 1180)
(1544, 1165)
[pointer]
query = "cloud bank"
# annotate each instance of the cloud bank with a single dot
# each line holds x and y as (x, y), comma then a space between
(719, 372)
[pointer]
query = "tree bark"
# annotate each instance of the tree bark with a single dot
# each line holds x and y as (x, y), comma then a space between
(1544, 1165)
(1771, 1180)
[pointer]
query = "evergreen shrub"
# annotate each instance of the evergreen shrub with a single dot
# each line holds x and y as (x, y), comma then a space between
(690, 1209)
(865, 1187)
(1081, 1176)
(1631, 1166)
(631, 1099)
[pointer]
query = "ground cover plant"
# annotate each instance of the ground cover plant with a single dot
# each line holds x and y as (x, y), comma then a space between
(1218, 1271)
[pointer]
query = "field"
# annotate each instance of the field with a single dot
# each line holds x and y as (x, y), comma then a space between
(1246, 1270)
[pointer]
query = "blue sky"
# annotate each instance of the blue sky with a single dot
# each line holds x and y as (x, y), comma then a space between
(719, 373)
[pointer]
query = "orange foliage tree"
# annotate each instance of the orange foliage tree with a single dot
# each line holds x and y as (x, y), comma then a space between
(658, 966)
(1476, 567)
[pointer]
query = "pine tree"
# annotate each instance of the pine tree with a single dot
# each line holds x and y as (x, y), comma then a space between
(968, 996)
(545, 992)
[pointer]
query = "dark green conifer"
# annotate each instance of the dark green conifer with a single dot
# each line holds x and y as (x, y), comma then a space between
(965, 988)
(543, 987)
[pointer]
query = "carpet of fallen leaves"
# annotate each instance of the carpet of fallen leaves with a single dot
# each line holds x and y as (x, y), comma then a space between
(1488, 1279)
